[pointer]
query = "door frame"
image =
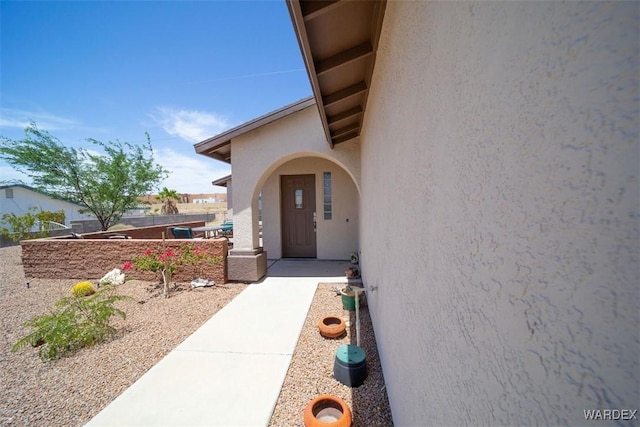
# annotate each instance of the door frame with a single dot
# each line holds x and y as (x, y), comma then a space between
(287, 212)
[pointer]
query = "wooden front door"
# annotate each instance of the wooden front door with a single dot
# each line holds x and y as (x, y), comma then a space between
(298, 197)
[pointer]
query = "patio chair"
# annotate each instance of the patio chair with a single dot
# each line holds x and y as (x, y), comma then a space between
(227, 229)
(182, 233)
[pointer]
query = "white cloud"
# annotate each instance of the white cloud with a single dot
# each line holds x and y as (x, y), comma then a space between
(190, 173)
(14, 118)
(7, 173)
(193, 126)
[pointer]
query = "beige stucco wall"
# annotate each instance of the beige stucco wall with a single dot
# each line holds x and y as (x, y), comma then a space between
(336, 238)
(506, 133)
(257, 154)
(230, 200)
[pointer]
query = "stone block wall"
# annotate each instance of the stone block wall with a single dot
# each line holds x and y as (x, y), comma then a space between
(93, 258)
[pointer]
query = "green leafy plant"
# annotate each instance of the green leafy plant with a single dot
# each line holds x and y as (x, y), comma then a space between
(167, 262)
(74, 323)
(21, 227)
(45, 217)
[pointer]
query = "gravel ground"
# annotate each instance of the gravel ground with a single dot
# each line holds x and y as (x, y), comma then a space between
(311, 371)
(71, 390)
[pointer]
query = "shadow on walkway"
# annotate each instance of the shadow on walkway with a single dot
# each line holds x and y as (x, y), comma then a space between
(304, 267)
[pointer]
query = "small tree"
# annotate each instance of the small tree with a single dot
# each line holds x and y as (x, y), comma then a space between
(167, 262)
(167, 197)
(105, 184)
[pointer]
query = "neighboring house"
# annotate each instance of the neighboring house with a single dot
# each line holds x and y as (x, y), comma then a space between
(486, 155)
(19, 198)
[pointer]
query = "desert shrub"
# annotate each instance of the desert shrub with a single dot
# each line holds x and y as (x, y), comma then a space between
(82, 289)
(74, 323)
(31, 225)
(167, 262)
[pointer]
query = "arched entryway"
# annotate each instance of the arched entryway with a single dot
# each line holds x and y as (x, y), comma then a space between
(310, 209)
(291, 138)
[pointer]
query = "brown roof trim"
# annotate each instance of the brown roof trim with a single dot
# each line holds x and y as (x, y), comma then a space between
(217, 147)
(222, 182)
(338, 40)
(299, 28)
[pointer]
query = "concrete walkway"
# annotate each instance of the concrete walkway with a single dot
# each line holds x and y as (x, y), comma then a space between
(230, 371)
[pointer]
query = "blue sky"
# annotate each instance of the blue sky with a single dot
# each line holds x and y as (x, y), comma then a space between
(182, 71)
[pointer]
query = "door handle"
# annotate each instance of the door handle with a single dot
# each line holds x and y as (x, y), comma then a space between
(315, 220)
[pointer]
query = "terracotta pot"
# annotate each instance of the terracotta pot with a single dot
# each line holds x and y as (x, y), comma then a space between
(327, 411)
(331, 327)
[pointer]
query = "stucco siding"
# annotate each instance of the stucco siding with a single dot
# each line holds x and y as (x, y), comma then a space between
(504, 288)
(23, 199)
(336, 238)
(257, 154)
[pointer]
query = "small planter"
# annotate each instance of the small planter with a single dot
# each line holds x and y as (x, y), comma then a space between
(327, 411)
(348, 303)
(348, 298)
(332, 327)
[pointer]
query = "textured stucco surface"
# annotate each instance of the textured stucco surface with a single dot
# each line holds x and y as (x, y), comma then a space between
(257, 154)
(247, 268)
(336, 238)
(507, 133)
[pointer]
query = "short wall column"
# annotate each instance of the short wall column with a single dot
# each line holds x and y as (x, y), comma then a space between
(247, 262)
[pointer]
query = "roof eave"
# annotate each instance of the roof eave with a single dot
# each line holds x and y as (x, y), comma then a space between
(222, 182)
(338, 40)
(303, 41)
(209, 146)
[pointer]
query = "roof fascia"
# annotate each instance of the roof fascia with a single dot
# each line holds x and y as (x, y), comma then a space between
(226, 137)
(222, 182)
(303, 41)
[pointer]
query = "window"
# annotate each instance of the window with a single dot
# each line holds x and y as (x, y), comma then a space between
(298, 199)
(326, 183)
(8, 192)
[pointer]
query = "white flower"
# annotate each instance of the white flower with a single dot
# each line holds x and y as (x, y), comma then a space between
(114, 277)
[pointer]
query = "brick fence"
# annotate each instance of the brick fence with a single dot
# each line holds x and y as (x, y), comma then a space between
(93, 258)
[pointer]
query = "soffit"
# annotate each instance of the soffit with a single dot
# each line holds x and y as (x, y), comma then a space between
(219, 146)
(339, 40)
